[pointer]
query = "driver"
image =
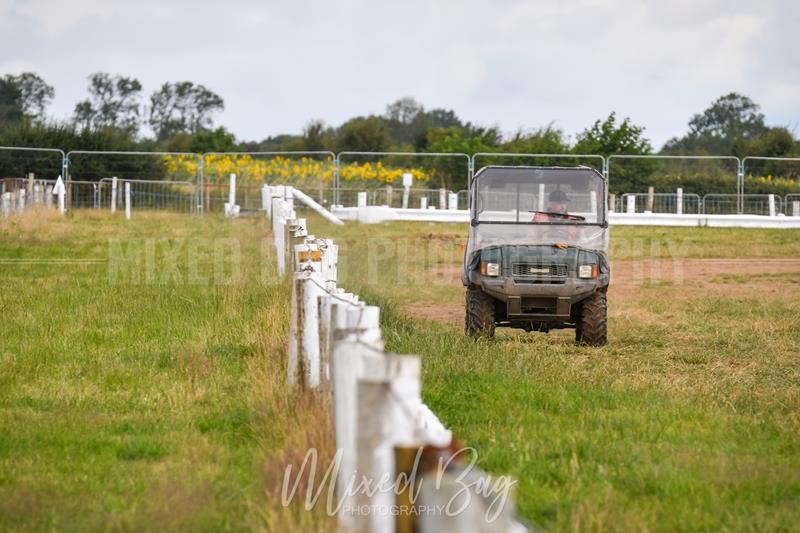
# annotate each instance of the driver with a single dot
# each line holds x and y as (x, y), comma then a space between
(557, 202)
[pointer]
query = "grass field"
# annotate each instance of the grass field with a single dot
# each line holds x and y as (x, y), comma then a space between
(141, 380)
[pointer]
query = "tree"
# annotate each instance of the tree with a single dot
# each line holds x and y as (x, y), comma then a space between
(404, 110)
(729, 120)
(24, 95)
(460, 140)
(605, 137)
(182, 107)
(10, 101)
(316, 136)
(113, 102)
(363, 134)
(546, 140)
(218, 140)
(36, 94)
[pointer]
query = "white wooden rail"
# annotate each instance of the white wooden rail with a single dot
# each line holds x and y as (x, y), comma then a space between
(335, 347)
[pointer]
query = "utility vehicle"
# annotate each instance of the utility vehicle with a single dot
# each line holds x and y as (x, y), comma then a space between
(537, 251)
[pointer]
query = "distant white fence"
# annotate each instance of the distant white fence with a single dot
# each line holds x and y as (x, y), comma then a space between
(336, 347)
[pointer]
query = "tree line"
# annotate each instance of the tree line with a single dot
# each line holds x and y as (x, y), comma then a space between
(179, 117)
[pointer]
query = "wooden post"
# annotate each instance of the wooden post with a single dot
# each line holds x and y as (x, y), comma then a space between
(30, 184)
(612, 202)
(389, 195)
(679, 201)
(651, 199)
(442, 198)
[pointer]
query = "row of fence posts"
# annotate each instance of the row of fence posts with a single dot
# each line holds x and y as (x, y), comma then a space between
(336, 348)
(34, 194)
(774, 203)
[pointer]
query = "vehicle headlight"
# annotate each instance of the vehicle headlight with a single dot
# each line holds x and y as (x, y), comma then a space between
(587, 271)
(490, 269)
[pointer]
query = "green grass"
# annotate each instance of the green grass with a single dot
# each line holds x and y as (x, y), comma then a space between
(688, 419)
(139, 392)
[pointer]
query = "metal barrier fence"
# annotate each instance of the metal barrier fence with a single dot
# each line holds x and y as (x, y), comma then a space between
(402, 169)
(662, 203)
(750, 204)
(720, 173)
(23, 172)
(314, 171)
(137, 168)
(326, 176)
(417, 198)
(483, 159)
(165, 195)
(791, 203)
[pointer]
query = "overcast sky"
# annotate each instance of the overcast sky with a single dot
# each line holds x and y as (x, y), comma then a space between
(510, 63)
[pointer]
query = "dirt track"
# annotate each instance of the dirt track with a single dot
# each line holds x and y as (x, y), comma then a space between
(686, 278)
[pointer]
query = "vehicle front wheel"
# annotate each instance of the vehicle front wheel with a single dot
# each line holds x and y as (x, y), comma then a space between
(479, 316)
(591, 328)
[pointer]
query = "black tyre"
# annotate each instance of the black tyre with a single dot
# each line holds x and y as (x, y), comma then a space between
(591, 326)
(479, 318)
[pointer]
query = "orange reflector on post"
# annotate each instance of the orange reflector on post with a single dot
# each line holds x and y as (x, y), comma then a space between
(312, 255)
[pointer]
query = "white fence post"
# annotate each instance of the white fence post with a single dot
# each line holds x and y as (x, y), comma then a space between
(771, 205)
(423, 202)
(48, 196)
(6, 204)
(631, 203)
(266, 203)
(327, 215)
(231, 209)
(362, 199)
(127, 200)
(541, 197)
(21, 194)
(796, 209)
(679, 201)
(114, 195)
(60, 190)
(442, 199)
(452, 201)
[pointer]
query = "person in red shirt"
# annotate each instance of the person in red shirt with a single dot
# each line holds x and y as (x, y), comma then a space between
(557, 203)
(556, 211)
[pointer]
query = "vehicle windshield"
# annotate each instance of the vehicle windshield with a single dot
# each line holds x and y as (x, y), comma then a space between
(531, 195)
(534, 206)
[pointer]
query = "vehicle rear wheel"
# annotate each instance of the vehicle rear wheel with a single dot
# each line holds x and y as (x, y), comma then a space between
(591, 328)
(479, 318)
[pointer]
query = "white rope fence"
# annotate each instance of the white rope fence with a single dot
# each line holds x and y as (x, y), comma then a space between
(335, 347)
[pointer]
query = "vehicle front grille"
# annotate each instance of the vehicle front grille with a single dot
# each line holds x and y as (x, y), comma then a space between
(538, 270)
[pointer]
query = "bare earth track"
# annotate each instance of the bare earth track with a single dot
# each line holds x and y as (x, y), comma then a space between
(689, 278)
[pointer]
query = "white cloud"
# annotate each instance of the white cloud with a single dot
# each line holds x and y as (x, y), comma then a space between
(508, 62)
